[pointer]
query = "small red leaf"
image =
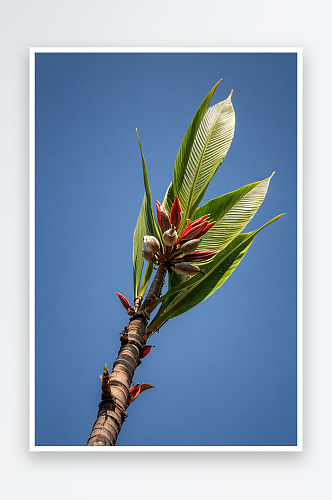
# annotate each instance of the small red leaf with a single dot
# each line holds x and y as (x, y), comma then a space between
(124, 301)
(134, 392)
(146, 350)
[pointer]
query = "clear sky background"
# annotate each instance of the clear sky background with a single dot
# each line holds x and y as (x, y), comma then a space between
(225, 372)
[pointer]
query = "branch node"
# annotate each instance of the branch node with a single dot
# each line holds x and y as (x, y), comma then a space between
(141, 315)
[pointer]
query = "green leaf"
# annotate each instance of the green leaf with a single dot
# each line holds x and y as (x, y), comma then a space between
(169, 198)
(146, 278)
(202, 155)
(208, 149)
(232, 212)
(183, 155)
(146, 225)
(200, 287)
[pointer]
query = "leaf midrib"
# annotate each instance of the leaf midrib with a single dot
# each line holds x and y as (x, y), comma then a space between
(200, 162)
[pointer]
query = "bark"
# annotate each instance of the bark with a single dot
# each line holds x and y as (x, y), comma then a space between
(116, 386)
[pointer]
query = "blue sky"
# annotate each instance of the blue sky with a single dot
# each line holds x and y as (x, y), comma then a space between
(225, 372)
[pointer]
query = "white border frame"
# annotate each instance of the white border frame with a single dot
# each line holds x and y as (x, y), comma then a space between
(92, 449)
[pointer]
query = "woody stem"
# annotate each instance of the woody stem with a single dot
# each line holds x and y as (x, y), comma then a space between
(116, 386)
(155, 288)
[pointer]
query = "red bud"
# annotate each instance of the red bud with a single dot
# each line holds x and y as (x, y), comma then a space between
(158, 204)
(192, 232)
(206, 229)
(176, 213)
(195, 222)
(198, 256)
(163, 217)
(134, 392)
(124, 301)
(146, 350)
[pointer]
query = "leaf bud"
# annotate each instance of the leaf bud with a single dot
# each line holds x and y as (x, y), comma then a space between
(124, 302)
(187, 269)
(149, 256)
(170, 237)
(190, 246)
(146, 350)
(151, 244)
(134, 392)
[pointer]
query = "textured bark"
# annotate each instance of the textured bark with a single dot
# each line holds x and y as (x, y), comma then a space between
(116, 386)
(155, 289)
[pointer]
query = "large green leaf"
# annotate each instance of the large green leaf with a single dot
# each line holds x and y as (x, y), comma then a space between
(199, 288)
(184, 152)
(232, 212)
(146, 278)
(146, 225)
(209, 148)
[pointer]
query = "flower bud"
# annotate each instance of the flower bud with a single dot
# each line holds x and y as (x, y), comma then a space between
(198, 256)
(192, 232)
(187, 269)
(176, 212)
(170, 237)
(163, 217)
(151, 244)
(196, 229)
(190, 246)
(149, 256)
